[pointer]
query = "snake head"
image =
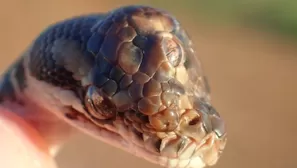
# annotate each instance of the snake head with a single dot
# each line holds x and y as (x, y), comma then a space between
(148, 88)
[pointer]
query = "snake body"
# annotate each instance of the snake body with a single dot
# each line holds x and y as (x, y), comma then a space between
(129, 77)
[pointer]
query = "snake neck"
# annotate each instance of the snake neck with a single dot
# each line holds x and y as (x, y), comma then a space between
(38, 96)
(14, 96)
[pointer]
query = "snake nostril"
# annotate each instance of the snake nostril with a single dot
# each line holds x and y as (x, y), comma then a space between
(194, 121)
(191, 125)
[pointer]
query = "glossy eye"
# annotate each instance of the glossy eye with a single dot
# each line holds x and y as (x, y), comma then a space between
(98, 106)
(172, 50)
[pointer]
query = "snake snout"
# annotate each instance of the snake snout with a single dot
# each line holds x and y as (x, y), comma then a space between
(212, 120)
(150, 89)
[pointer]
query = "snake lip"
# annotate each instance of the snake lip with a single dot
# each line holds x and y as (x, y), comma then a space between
(115, 133)
(136, 88)
(184, 146)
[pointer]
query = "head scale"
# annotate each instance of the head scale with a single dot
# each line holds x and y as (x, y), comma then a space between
(148, 81)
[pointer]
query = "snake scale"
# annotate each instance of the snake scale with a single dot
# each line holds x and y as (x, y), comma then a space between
(129, 77)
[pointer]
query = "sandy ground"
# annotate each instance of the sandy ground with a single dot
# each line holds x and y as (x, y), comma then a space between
(252, 75)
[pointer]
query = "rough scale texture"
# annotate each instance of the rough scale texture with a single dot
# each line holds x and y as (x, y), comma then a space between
(135, 75)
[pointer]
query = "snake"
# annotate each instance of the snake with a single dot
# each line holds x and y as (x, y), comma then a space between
(129, 77)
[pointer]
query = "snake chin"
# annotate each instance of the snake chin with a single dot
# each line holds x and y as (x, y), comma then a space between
(170, 151)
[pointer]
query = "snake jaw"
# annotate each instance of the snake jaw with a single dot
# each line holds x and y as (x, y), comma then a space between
(154, 82)
(146, 94)
(198, 136)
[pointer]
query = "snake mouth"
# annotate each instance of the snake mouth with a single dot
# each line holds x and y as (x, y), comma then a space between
(148, 94)
(142, 83)
(168, 149)
(197, 140)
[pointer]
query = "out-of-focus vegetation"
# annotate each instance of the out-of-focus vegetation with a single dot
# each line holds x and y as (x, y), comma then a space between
(278, 16)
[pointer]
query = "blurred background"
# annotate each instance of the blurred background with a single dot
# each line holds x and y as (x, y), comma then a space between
(248, 50)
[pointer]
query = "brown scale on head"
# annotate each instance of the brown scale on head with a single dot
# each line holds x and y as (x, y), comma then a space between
(147, 75)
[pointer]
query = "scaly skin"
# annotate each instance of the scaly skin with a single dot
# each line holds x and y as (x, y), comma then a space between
(129, 78)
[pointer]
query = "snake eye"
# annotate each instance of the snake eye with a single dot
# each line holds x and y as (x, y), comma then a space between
(172, 50)
(98, 106)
